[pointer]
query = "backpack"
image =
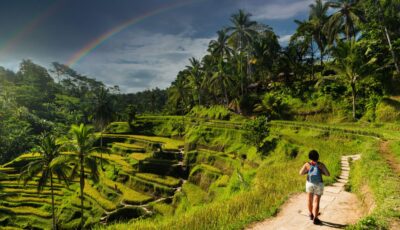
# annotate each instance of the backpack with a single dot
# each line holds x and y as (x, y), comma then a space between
(314, 174)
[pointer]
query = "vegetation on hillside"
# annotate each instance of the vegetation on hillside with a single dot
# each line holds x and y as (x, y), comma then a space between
(230, 121)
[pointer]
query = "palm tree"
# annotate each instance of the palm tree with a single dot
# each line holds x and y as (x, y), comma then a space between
(243, 31)
(178, 93)
(345, 19)
(349, 66)
(305, 39)
(221, 79)
(383, 24)
(195, 77)
(265, 49)
(220, 47)
(317, 19)
(103, 113)
(51, 162)
(83, 145)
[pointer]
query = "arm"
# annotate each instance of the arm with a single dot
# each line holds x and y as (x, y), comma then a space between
(324, 170)
(304, 169)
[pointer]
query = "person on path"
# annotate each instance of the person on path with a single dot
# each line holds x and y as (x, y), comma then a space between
(314, 184)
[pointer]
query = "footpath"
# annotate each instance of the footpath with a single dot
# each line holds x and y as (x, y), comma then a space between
(338, 208)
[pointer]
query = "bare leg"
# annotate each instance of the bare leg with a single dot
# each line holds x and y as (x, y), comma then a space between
(310, 202)
(317, 198)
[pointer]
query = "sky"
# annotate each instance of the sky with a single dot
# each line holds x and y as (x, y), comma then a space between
(134, 44)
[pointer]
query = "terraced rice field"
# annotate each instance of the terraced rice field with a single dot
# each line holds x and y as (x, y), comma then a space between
(121, 186)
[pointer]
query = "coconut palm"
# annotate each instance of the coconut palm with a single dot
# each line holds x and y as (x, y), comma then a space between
(348, 14)
(221, 79)
(243, 29)
(50, 163)
(387, 11)
(83, 145)
(242, 33)
(349, 67)
(220, 47)
(195, 77)
(303, 38)
(178, 93)
(265, 49)
(317, 20)
(103, 113)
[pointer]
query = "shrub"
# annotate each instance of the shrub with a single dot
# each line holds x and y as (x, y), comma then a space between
(257, 131)
(388, 110)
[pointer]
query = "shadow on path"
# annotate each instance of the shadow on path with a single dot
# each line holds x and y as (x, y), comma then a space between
(334, 225)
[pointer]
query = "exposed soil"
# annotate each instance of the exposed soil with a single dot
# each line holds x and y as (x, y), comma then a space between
(338, 208)
(389, 157)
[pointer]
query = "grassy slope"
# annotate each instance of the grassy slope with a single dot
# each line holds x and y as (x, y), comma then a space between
(266, 192)
(245, 190)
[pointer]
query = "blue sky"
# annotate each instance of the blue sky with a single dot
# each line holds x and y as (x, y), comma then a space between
(145, 55)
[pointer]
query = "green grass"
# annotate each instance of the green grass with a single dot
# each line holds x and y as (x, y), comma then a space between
(373, 173)
(96, 195)
(164, 180)
(256, 193)
(230, 184)
(21, 199)
(129, 146)
(168, 143)
(395, 149)
(139, 156)
(116, 159)
(129, 195)
(30, 191)
(26, 210)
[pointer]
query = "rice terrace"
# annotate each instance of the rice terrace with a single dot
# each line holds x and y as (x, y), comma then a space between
(200, 114)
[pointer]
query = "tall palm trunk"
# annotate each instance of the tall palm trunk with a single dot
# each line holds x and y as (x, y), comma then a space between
(101, 147)
(199, 92)
(226, 96)
(396, 64)
(353, 94)
(82, 185)
(52, 201)
(389, 40)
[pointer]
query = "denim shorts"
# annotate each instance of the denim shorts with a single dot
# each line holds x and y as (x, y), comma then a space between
(316, 189)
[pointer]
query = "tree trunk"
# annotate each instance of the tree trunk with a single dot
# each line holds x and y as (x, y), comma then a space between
(52, 201)
(199, 96)
(101, 149)
(353, 94)
(322, 59)
(82, 185)
(391, 49)
(226, 97)
(387, 35)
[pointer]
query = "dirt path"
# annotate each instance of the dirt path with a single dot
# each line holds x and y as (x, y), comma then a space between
(338, 208)
(389, 157)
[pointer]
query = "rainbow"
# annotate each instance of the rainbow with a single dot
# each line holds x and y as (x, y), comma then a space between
(89, 47)
(21, 34)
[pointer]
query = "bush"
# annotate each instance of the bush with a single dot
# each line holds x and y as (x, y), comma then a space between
(257, 131)
(216, 112)
(388, 110)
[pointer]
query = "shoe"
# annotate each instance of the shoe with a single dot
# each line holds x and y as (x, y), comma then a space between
(316, 221)
(311, 216)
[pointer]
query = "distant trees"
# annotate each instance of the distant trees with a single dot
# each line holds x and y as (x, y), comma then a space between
(245, 61)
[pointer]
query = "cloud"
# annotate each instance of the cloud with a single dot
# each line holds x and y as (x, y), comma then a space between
(281, 10)
(284, 39)
(140, 60)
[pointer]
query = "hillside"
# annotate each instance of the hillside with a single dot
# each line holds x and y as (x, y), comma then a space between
(204, 175)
